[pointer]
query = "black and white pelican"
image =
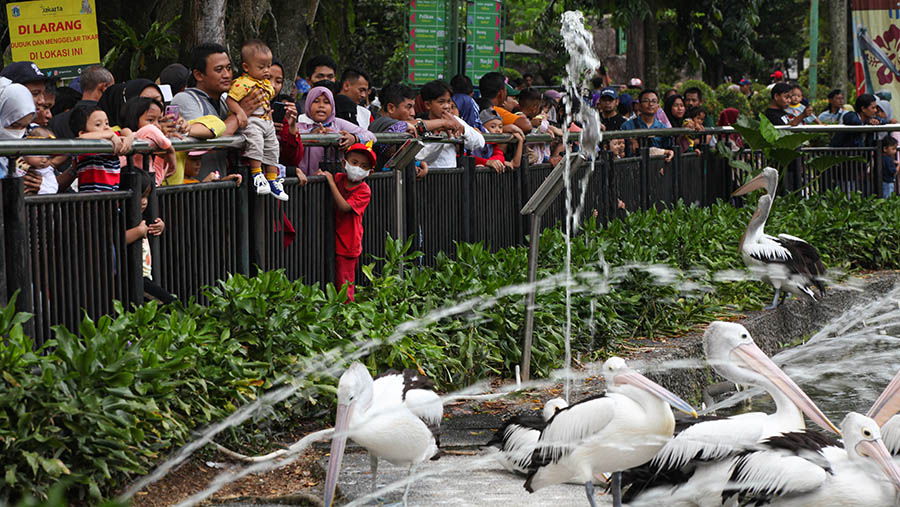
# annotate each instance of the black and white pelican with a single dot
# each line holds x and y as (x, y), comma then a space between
(805, 469)
(394, 417)
(615, 431)
(785, 262)
(690, 469)
(514, 442)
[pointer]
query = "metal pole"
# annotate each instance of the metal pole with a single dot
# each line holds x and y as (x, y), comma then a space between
(18, 255)
(532, 292)
(814, 47)
(133, 216)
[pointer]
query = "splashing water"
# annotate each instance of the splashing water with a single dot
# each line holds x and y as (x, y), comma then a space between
(579, 43)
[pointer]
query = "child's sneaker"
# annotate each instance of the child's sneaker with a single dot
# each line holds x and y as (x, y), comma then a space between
(277, 190)
(261, 184)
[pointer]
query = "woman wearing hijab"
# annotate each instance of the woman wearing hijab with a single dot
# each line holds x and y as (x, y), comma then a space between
(114, 98)
(16, 112)
(320, 112)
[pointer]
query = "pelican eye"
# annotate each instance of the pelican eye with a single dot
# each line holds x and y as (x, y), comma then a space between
(867, 433)
(744, 335)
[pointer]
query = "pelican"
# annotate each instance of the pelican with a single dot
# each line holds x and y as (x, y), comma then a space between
(515, 440)
(620, 429)
(785, 261)
(806, 470)
(395, 417)
(689, 469)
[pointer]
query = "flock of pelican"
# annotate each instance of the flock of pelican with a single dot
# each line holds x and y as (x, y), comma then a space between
(628, 439)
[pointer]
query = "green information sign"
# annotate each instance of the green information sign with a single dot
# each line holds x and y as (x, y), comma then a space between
(428, 54)
(483, 38)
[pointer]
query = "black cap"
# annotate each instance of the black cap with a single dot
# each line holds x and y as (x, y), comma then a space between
(175, 75)
(23, 72)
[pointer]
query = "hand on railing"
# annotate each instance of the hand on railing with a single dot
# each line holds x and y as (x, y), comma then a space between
(32, 182)
(122, 144)
(421, 170)
(157, 227)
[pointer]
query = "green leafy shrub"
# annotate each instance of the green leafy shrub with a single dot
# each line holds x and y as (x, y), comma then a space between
(735, 99)
(96, 409)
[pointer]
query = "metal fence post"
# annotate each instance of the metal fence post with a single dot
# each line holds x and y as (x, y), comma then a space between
(524, 195)
(677, 175)
(130, 180)
(256, 237)
(17, 251)
(645, 168)
(243, 225)
(468, 224)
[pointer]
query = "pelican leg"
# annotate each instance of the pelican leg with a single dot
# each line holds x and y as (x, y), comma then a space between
(616, 488)
(589, 489)
(774, 300)
(373, 463)
(412, 469)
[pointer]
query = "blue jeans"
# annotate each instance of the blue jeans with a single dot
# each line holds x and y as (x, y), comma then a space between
(887, 189)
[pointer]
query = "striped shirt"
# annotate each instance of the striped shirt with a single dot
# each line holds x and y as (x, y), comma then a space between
(98, 173)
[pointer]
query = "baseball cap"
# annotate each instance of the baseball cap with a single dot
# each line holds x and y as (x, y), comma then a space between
(635, 82)
(365, 148)
(609, 91)
(174, 75)
(487, 115)
(23, 72)
(744, 82)
(777, 74)
(512, 92)
(626, 99)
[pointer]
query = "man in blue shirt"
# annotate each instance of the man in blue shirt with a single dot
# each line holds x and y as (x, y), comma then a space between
(648, 103)
(835, 112)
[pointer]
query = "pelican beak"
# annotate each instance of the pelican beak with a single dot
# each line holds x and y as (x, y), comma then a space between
(338, 442)
(759, 181)
(756, 359)
(642, 382)
(876, 450)
(888, 403)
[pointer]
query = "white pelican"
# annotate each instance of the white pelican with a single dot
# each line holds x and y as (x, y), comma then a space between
(806, 470)
(515, 440)
(785, 261)
(395, 417)
(620, 429)
(690, 469)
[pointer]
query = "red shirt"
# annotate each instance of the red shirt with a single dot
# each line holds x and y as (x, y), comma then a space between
(348, 225)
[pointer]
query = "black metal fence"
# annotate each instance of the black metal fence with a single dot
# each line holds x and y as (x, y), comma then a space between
(68, 256)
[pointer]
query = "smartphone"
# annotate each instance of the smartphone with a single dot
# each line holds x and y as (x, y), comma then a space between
(277, 112)
(172, 112)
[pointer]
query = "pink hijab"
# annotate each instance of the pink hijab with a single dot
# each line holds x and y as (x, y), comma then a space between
(313, 155)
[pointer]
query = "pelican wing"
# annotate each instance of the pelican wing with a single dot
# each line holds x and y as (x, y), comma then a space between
(807, 259)
(890, 434)
(756, 477)
(710, 439)
(413, 390)
(515, 441)
(768, 249)
(570, 427)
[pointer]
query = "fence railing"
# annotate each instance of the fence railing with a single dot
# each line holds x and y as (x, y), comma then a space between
(67, 253)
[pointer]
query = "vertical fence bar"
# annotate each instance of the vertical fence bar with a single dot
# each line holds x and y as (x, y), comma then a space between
(468, 198)
(130, 180)
(18, 267)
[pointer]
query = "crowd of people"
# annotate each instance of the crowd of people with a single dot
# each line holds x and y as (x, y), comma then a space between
(205, 99)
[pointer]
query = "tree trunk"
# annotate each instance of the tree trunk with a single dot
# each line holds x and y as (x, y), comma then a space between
(634, 53)
(837, 12)
(651, 64)
(208, 22)
(295, 20)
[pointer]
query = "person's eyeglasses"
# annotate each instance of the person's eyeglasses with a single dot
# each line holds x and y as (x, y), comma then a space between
(650, 101)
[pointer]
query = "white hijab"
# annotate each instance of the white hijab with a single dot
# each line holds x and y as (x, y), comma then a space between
(15, 102)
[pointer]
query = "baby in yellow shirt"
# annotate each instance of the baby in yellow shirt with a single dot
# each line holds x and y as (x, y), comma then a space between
(260, 141)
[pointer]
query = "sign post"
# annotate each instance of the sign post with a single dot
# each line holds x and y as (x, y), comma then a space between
(429, 52)
(483, 38)
(59, 36)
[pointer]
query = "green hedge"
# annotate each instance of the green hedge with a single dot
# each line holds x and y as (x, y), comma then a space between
(106, 405)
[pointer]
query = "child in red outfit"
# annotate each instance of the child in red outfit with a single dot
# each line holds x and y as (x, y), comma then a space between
(351, 195)
(492, 154)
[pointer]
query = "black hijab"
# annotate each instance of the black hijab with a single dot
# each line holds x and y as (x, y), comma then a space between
(114, 98)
